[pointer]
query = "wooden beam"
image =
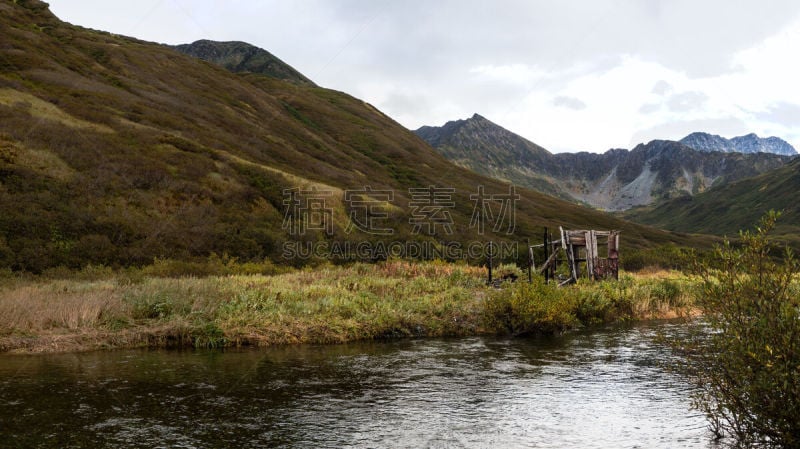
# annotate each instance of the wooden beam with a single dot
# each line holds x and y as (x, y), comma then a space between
(548, 262)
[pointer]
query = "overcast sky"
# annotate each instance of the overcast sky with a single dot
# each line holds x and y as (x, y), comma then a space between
(568, 75)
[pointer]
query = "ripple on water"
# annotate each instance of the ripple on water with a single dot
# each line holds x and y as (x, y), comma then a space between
(590, 389)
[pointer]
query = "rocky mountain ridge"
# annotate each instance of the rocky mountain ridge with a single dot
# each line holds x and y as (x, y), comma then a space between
(749, 144)
(615, 180)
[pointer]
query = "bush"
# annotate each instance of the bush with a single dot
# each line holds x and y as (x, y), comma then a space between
(523, 308)
(747, 365)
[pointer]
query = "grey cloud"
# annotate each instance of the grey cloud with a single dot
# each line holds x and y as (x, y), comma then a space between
(662, 88)
(696, 37)
(411, 104)
(569, 102)
(649, 108)
(782, 113)
(686, 101)
(680, 102)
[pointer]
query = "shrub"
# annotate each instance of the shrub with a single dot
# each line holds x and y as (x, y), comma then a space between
(747, 365)
(523, 308)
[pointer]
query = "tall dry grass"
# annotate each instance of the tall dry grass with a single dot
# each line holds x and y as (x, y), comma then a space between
(58, 305)
(328, 304)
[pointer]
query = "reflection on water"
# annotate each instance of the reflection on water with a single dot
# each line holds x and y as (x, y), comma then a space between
(594, 389)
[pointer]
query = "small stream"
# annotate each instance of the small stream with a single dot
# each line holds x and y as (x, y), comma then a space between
(591, 389)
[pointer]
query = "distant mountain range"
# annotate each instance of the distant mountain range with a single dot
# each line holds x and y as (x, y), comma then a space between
(750, 143)
(242, 57)
(726, 209)
(616, 180)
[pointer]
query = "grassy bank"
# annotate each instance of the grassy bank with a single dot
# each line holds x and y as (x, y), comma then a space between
(323, 305)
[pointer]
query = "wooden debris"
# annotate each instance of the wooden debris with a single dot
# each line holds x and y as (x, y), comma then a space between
(582, 253)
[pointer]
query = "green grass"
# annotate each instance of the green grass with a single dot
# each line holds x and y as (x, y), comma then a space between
(101, 308)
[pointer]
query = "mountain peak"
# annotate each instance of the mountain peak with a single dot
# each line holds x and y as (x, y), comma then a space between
(238, 56)
(749, 143)
(480, 132)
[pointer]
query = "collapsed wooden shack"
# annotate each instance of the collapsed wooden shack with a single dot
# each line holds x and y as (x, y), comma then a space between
(581, 250)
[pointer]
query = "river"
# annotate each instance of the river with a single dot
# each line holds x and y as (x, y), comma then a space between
(601, 388)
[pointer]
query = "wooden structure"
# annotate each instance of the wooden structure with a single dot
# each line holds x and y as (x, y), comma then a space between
(582, 252)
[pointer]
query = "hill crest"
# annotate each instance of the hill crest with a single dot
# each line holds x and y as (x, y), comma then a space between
(241, 57)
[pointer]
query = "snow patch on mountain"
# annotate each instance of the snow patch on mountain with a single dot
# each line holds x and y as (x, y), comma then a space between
(749, 143)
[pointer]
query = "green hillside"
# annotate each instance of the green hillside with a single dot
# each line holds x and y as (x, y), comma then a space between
(726, 209)
(118, 151)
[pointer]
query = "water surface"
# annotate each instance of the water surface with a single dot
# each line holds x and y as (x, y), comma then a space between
(601, 389)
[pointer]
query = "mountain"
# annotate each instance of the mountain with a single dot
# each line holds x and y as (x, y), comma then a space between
(616, 180)
(242, 57)
(750, 143)
(725, 209)
(117, 151)
(483, 147)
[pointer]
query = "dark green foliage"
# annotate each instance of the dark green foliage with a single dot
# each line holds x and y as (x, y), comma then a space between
(747, 366)
(209, 336)
(523, 308)
(299, 116)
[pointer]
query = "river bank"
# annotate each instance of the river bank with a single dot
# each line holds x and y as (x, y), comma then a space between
(330, 304)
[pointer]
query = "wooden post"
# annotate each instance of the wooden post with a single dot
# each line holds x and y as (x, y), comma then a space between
(616, 266)
(576, 269)
(530, 261)
(546, 255)
(556, 260)
(566, 245)
(490, 264)
(613, 253)
(591, 253)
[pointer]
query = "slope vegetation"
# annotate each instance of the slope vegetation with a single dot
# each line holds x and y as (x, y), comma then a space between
(727, 209)
(117, 151)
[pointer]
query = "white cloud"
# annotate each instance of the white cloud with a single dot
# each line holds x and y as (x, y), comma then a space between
(569, 102)
(514, 73)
